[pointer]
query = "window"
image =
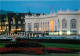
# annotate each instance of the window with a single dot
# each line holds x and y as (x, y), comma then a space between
(2, 23)
(3, 27)
(58, 23)
(6, 22)
(19, 22)
(0, 27)
(29, 26)
(64, 23)
(22, 18)
(11, 22)
(34, 14)
(19, 26)
(13, 27)
(24, 23)
(13, 19)
(36, 26)
(4, 18)
(73, 23)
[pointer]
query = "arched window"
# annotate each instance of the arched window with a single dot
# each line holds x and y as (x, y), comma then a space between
(64, 23)
(58, 23)
(73, 23)
(29, 26)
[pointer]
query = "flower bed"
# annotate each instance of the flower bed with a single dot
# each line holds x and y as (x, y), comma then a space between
(33, 47)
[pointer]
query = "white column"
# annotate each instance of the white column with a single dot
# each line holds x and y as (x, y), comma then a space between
(68, 24)
(78, 24)
(39, 26)
(32, 26)
(32, 34)
(48, 25)
(26, 27)
(42, 26)
(54, 26)
(29, 35)
(60, 25)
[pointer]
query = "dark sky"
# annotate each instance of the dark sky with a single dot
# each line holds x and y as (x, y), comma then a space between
(39, 6)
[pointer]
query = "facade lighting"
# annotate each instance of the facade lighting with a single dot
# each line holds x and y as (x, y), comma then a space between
(0, 27)
(0, 23)
(68, 33)
(51, 33)
(3, 30)
(60, 32)
(55, 33)
(6, 22)
(7, 27)
(19, 29)
(79, 32)
(40, 29)
(11, 29)
(51, 25)
(35, 29)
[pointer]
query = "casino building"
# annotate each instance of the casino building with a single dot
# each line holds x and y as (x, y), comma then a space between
(60, 23)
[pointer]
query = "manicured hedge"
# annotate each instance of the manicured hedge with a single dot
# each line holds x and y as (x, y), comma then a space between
(25, 44)
(68, 41)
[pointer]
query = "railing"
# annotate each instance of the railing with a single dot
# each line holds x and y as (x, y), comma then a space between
(43, 37)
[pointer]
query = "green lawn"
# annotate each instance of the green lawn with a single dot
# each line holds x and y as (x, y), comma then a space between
(2, 44)
(61, 45)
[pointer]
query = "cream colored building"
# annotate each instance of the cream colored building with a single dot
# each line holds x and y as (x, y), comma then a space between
(60, 23)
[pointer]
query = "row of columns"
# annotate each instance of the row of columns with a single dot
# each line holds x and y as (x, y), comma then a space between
(44, 26)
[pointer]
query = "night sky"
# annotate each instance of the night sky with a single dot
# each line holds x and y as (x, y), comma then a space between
(38, 6)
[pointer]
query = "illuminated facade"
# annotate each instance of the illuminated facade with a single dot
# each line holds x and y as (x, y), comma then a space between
(60, 23)
(12, 23)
